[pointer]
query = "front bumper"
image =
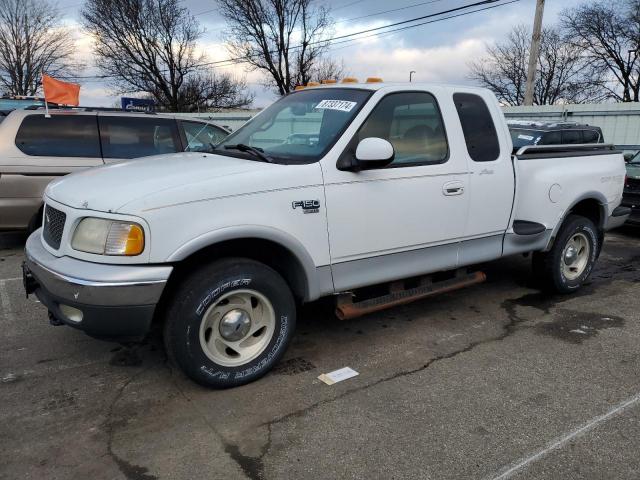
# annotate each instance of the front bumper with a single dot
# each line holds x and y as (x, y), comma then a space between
(106, 301)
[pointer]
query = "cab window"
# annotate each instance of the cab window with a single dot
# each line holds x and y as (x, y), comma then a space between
(132, 137)
(412, 123)
(477, 126)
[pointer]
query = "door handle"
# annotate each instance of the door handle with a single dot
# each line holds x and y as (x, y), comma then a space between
(453, 188)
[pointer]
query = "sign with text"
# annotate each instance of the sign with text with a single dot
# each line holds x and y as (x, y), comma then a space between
(138, 105)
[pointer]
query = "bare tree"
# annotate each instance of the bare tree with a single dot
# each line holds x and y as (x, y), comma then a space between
(32, 42)
(324, 69)
(285, 39)
(560, 75)
(209, 92)
(607, 30)
(150, 46)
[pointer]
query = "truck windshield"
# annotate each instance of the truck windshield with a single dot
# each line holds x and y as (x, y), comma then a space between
(522, 137)
(298, 128)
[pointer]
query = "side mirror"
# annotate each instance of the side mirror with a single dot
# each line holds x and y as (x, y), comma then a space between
(370, 153)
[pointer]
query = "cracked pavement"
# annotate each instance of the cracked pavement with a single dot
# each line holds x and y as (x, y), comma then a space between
(495, 379)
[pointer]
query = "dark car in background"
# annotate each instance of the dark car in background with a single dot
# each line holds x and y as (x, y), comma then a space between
(525, 132)
(631, 195)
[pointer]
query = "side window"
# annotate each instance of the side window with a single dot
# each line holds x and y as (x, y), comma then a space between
(590, 136)
(477, 126)
(571, 137)
(201, 137)
(59, 136)
(552, 138)
(132, 137)
(413, 124)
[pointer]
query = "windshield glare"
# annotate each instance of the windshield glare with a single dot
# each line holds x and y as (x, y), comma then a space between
(301, 127)
(521, 137)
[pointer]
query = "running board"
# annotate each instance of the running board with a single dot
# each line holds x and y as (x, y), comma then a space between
(399, 295)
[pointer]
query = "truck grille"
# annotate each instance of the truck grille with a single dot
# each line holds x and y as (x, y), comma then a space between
(53, 226)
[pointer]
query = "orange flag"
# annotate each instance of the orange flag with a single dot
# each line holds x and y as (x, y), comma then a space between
(59, 92)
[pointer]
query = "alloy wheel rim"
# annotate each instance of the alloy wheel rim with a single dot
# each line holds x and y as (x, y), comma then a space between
(575, 256)
(237, 328)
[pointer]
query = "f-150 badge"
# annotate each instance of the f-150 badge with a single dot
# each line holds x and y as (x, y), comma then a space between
(308, 206)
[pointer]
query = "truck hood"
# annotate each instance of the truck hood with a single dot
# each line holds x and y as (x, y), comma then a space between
(154, 182)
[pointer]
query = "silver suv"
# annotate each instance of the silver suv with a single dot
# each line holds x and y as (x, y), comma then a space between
(35, 149)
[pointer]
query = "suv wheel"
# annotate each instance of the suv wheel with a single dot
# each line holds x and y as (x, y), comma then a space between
(570, 261)
(230, 322)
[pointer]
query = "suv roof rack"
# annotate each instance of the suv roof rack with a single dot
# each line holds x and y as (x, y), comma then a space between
(85, 109)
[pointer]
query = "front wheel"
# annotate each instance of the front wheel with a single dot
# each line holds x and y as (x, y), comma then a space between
(230, 322)
(572, 257)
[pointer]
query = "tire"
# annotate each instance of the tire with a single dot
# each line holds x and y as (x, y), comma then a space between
(563, 270)
(229, 322)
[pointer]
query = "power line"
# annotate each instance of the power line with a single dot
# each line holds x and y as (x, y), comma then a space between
(347, 38)
(388, 11)
(369, 30)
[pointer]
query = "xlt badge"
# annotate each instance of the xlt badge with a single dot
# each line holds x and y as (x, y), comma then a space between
(308, 206)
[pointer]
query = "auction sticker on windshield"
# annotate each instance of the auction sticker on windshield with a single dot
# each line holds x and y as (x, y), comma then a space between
(341, 105)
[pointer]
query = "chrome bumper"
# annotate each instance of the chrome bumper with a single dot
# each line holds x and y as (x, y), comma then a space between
(116, 300)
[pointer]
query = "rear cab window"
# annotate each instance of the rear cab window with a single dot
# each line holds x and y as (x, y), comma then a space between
(133, 137)
(477, 126)
(59, 136)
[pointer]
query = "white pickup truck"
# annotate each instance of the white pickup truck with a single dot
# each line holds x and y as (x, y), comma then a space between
(400, 187)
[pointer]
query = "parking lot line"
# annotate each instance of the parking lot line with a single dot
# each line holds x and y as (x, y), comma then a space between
(562, 441)
(12, 279)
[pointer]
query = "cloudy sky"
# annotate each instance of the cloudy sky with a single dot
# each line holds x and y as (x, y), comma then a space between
(437, 51)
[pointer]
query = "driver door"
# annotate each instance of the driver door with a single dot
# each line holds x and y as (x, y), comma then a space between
(406, 218)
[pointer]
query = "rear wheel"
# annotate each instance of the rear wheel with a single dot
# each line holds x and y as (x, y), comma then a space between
(230, 322)
(570, 261)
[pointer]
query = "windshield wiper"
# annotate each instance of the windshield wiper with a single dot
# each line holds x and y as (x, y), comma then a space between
(256, 151)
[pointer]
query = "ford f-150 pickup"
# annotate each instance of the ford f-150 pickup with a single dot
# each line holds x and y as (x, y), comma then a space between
(400, 188)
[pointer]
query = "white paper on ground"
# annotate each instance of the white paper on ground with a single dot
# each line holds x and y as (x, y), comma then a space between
(338, 375)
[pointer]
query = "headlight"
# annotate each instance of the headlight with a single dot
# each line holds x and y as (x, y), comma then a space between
(108, 237)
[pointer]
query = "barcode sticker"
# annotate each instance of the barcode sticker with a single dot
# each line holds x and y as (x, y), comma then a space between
(341, 105)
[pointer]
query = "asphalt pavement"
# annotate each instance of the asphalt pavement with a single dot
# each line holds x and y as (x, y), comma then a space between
(495, 381)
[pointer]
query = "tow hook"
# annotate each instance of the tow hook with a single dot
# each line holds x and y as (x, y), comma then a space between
(28, 280)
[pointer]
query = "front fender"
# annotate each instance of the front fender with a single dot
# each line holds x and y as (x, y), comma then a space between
(319, 281)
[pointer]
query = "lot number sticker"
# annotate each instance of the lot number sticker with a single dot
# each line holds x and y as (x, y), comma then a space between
(341, 105)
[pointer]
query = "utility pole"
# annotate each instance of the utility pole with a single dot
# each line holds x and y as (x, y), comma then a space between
(533, 53)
